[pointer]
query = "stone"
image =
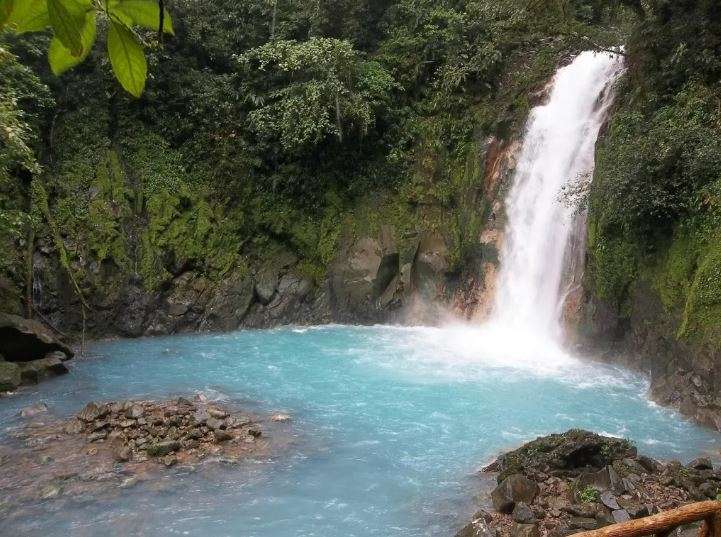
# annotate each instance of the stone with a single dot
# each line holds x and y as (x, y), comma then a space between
(135, 412)
(170, 460)
(215, 424)
(266, 284)
(604, 479)
(523, 514)
(620, 515)
(702, 463)
(280, 418)
(635, 466)
(604, 518)
(217, 413)
(50, 492)
(515, 488)
(122, 453)
(23, 340)
(128, 482)
(10, 377)
(95, 437)
(430, 264)
(635, 510)
(254, 432)
(648, 463)
(524, 530)
(709, 490)
(34, 410)
(74, 427)
(160, 449)
(92, 411)
(609, 500)
(34, 371)
(222, 436)
(360, 274)
(477, 528)
(583, 523)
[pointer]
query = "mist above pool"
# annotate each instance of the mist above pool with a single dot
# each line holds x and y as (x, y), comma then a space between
(391, 423)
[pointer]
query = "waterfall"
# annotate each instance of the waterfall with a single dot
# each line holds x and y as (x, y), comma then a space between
(558, 149)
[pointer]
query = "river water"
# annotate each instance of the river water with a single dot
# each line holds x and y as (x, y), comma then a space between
(390, 424)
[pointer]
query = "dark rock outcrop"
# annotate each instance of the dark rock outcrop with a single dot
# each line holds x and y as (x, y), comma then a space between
(29, 353)
(577, 481)
(364, 278)
(10, 376)
(685, 375)
(23, 340)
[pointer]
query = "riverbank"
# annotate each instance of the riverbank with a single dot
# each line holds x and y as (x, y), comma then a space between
(566, 483)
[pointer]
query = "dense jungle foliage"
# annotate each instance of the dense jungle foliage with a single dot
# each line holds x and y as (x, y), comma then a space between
(268, 123)
(655, 206)
(296, 123)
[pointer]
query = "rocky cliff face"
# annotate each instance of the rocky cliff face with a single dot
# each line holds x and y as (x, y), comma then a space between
(684, 374)
(387, 276)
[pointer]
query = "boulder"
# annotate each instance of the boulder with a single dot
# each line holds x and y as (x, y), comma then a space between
(266, 284)
(361, 274)
(512, 490)
(34, 410)
(34, 371)
(161, 449)
(702, 463)
(23, 340)
(523, 514)
(430, 265)
(583, 523)
(609, 500)
(524, 530)
(10, 377)
(477, 528)
(92, 411)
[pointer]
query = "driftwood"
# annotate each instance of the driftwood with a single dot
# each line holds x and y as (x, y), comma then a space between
(662, 524)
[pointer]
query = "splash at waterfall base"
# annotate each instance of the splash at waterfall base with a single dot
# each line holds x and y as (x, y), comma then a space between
(562, 484)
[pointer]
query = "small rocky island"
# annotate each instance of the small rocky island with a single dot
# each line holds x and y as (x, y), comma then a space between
(111, 446)
(566, 483)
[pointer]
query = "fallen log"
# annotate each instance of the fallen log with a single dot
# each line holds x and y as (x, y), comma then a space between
(709, 512)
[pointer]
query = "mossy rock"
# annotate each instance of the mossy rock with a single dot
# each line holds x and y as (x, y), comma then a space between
(10, 377)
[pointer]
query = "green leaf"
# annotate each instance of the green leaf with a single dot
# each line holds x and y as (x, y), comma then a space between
(29, 16)
(67, 18)
(127, 59)
(144, 13)
(61, 59)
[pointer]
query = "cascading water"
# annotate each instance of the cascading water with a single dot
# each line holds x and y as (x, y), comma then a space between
(558, 148)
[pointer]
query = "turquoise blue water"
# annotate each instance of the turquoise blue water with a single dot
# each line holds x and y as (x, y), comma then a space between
(390, 426)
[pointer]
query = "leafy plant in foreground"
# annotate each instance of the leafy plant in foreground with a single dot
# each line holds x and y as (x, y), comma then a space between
(75, 28)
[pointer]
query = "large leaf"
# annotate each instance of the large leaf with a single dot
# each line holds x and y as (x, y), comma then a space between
(127, 59)
(61, 59)
(144, 13)
(29, 16)
(68, 19)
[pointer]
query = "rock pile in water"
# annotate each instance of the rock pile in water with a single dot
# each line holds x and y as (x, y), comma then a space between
(108, 447)
(562, 484)
(139, 430)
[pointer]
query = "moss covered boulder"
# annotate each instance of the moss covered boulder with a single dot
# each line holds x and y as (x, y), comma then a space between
(9, 376)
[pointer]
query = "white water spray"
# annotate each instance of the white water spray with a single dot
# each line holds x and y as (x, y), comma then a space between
(558, 149)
